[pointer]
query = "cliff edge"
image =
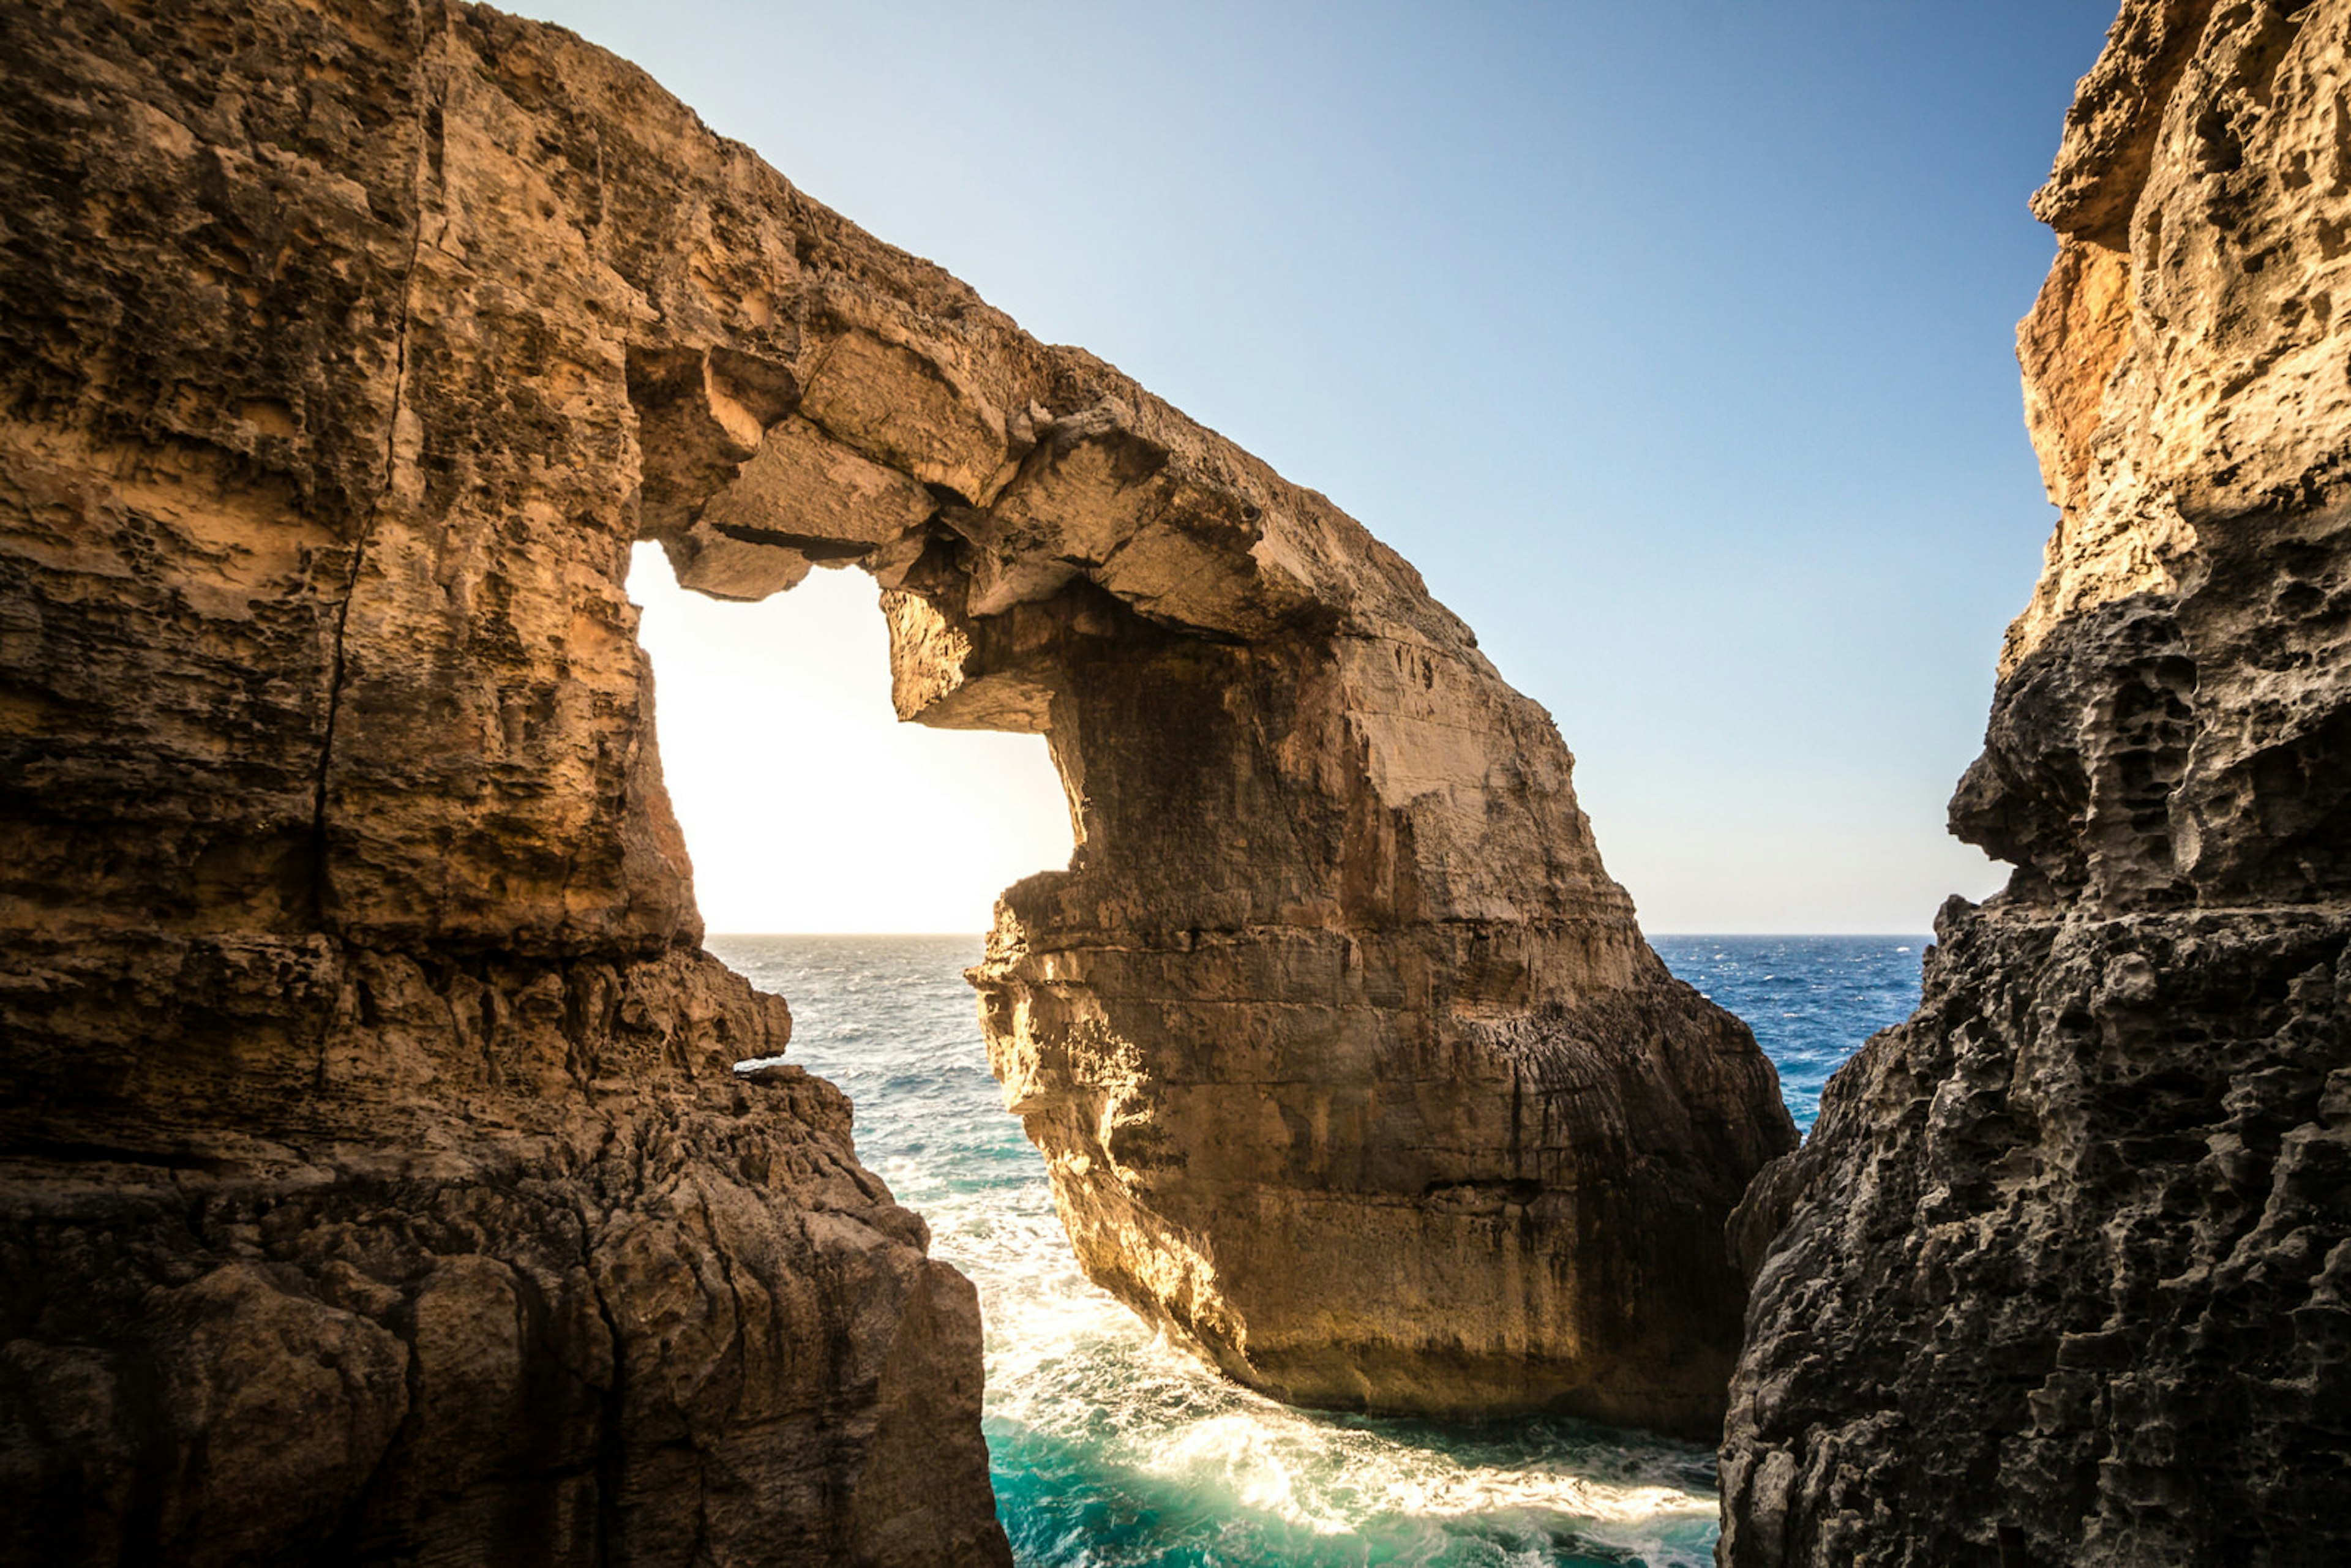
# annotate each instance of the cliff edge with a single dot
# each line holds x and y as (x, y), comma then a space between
(2063, 1271)
(375, 1185)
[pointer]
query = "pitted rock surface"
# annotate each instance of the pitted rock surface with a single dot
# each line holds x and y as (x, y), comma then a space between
(2060, 1276)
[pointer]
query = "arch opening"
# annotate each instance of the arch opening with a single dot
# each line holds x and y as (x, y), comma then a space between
(805, 806)
(1350, 1069)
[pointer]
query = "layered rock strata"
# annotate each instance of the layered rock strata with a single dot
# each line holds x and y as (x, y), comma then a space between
(376, 1188)
(2066, 1271)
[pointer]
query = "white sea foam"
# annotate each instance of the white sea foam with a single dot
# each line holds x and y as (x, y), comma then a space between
(1115, 1449)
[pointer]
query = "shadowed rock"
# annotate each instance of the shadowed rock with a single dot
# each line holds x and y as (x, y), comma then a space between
(2064, 1267)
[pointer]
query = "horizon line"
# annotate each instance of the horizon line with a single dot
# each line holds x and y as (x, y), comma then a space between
(1906, 936)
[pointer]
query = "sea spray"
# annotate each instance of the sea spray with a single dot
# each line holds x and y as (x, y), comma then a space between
(1112, 1449)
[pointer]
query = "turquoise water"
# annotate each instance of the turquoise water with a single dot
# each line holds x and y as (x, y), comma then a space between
(1112, 1449)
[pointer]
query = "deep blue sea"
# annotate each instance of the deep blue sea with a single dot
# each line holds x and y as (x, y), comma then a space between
(1113, 1450)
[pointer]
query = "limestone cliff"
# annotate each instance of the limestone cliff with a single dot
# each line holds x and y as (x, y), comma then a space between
(374, 1182)
(2066, 1275)
(376, 1188)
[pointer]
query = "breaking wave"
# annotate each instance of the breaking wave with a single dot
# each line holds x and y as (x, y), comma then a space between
(1112, 1449)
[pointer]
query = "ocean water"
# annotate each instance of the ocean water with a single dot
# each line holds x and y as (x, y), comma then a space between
(1113, 1449)
(1810, 1001)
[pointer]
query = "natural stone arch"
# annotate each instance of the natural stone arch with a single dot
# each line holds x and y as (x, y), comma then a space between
(360, 1038)
(1348, 1060)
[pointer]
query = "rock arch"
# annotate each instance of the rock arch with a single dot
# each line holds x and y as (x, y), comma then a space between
(357, 1019)
(1348, 1060)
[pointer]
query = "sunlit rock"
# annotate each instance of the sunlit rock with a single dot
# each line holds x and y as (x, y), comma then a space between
(2064, 1271)
(374, 1182)
(376, 1188)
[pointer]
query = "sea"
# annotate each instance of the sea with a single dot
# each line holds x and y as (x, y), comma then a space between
(1112, 1449)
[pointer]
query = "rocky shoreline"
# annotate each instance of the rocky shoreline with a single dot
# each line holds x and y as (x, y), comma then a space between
(373, 1177)
(375, 1182)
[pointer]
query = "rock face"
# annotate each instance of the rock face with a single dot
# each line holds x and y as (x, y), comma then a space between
(375, 1186)
(2066, 1271)
(1348, 1061)
(374, 1182)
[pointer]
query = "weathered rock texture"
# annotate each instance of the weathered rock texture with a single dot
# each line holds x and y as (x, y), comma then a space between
(1348, 1061)
(374, 1182)
(2066, 1275)
(377, 1187)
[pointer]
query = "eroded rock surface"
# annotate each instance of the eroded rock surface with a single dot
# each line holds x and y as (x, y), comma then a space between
(376, 1188)
(2065, 1267)
(374, 1182)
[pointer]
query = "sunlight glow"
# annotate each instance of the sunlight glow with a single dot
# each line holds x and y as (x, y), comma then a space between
(806, 805)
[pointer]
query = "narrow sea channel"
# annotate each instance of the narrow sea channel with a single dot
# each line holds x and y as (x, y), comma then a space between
(1113, 1450)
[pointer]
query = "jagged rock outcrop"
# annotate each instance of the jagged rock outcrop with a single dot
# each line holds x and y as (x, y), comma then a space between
(2066, 1271)
(1348, 1063)
(375, 1185)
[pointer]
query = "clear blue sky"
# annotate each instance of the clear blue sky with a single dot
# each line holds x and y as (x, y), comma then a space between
(1672, 341)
